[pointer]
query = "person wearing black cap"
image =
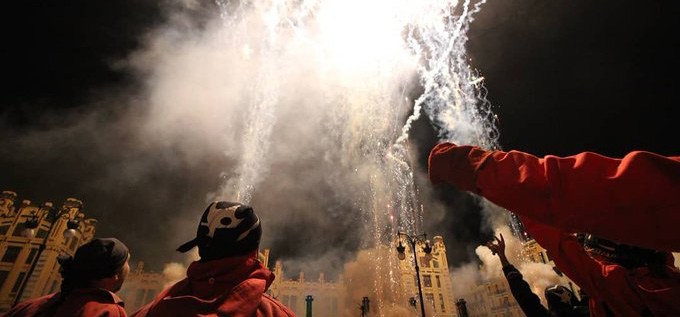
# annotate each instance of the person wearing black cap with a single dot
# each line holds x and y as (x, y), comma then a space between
(228, 280)
(90, 280)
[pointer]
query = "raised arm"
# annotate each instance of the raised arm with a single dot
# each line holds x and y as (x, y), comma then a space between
(521, 291)
(634, 200)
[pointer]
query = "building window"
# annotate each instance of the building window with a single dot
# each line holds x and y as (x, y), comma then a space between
(439, 283)
(427, 280)
(424, 261)
(151, 295)
(429, 297)
(441, 303)
(31, 255)
(3, 278)
(293, 302)
(53, 288)
(334, 305)
(435, 264)
(139, 299)
(17, 230)
(11, 254)
(42, 233)
(3, 230)
(17, 284)
(74, 244)
(542, 257)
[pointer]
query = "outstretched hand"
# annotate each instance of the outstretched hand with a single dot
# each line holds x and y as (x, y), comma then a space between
(498, 248)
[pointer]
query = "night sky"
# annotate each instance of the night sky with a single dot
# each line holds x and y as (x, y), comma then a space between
(562, 76)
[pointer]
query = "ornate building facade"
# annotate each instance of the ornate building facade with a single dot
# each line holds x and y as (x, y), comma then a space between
(141, 287)
(19, 244)
(492, 298)
(434, 276)
(329, 297)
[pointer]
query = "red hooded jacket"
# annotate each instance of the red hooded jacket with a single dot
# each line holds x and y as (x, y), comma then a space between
(91, 302)
(613, 288)
(634, 200)
(233, 286)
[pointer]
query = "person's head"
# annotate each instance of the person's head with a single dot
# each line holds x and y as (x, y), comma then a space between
(622, 254)
(100, 263)
(561, 300)
(226, 229)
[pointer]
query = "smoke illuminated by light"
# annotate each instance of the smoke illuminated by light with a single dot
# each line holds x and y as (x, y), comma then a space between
(274, 82)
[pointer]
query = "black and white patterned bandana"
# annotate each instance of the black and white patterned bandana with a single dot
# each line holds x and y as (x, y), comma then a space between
(226, 229)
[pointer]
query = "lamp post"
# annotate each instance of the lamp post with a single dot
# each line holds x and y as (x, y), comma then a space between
(365, 306)
(53, 214)
(412, 240)
(309, 299)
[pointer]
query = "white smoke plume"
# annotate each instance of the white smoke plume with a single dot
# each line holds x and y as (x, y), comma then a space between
(174, 272)
(306, 101)
(368, 275)
(293, 106)
(538, 275)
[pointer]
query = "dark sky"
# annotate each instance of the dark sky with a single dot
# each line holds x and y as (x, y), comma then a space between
(563, 76)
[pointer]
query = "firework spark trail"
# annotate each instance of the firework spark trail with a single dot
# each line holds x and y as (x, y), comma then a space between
(358, 63)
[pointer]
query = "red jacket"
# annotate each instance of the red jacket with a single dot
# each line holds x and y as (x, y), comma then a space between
(233, 286)
(92, 302)
(634, 200)
(622, 291)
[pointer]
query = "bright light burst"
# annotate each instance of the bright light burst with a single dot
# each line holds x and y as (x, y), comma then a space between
(356, 59)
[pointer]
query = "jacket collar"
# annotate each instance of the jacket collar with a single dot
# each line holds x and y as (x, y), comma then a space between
(216, 276)
(100, 294)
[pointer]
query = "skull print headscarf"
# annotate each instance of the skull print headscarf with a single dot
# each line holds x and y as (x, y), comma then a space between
(226, 229)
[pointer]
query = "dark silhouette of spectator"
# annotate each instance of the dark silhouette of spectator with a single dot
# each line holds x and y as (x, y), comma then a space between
(90, 280)
(561, 300)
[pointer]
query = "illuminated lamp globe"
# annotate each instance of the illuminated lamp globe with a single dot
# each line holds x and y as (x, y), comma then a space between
(400, 251)
(428, 247)
(28, 232)
(70, 233)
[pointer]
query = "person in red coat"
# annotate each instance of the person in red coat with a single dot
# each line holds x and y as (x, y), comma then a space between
(620, 280)
(90, 280)
(228, 280)
(633, 200)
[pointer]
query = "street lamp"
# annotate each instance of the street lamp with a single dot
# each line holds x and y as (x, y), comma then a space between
(412, 240)
(72, 228)
(29, 226)
(309, 299)
(365, 306)
(53, 215)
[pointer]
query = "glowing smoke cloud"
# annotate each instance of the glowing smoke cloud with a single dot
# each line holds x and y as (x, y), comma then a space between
(346, 66)
(359, 36)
